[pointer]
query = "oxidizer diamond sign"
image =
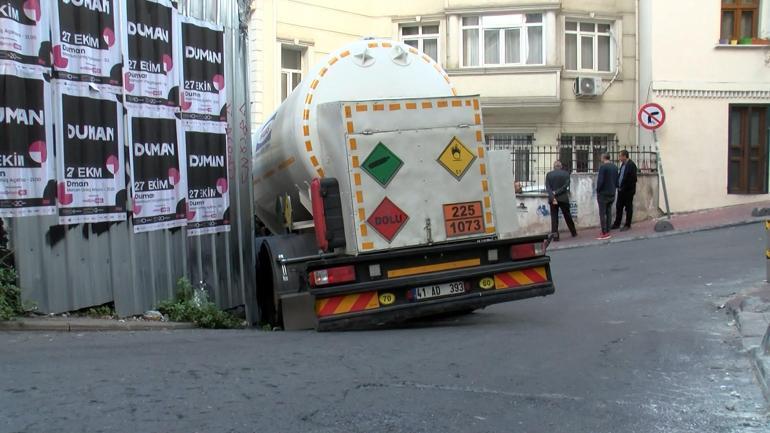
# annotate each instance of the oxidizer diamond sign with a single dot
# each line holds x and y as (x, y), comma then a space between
(85, 42)
(27, 171)
(25, 40)
(149, 41)
(208, 202)
(203, 71)
(456, 158)
(387, 219)
(382, 164)
(158, 181)
(89, 153)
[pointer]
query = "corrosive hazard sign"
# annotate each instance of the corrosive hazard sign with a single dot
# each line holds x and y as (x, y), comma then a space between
(651, 116)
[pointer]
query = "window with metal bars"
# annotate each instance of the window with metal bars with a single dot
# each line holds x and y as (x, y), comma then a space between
(520, 146)
(583, 153)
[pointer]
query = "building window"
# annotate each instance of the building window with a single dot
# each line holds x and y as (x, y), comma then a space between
(747, 150)
(500, 40)
(422, 37)
(740, 19)
(583, 153)
(291, 69)
(588, 46)
(520, 146)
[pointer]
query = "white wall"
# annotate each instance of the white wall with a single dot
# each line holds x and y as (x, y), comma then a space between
(685, 70)
(686, 50)
(534, 216)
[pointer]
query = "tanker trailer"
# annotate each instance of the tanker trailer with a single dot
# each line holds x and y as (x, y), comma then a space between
(383, 203)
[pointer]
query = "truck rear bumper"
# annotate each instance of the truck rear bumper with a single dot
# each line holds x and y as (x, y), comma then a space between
(400, 313)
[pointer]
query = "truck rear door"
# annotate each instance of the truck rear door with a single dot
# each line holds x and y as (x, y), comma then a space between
(418, 172)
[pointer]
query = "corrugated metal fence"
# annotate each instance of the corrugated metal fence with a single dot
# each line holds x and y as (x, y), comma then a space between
(65, 268)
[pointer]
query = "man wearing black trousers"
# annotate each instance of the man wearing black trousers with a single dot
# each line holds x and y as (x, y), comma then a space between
(626, 191)
(606, 184)
(557, 185)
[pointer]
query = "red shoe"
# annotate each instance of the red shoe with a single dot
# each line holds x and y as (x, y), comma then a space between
(604, 236)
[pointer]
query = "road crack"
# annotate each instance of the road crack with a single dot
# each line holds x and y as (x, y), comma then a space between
(472, 390)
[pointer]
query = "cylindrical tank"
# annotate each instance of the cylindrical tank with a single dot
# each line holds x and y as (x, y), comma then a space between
(287, 151)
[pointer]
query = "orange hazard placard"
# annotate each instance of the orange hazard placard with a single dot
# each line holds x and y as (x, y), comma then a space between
(463, 218)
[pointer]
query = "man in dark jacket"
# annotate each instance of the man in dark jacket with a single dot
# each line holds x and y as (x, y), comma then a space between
(557, 185)
(626, 191)
(606, 184)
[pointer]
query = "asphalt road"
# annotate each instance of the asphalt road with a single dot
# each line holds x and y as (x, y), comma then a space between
(633, 341)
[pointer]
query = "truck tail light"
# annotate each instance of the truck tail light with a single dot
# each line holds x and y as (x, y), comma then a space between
(329, 276)
(527, 251)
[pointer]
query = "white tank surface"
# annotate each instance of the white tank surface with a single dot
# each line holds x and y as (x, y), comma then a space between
(287, 151)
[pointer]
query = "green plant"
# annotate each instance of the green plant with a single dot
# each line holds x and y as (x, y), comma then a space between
(205, 314)
(184, 290)
(10, 295)
(101, 311)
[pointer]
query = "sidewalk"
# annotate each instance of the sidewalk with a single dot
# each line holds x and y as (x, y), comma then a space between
(683, 223)
(77, 324)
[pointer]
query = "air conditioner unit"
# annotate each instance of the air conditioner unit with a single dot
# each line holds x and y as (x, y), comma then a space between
(588, 86)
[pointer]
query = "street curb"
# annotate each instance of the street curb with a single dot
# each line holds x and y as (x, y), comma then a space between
(756, 353)
(596, 243)
(761, 365)
(88, 325)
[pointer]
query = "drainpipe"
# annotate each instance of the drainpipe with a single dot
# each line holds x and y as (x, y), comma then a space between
(636, 74)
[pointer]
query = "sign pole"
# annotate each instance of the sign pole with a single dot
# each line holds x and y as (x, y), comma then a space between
(651, 116)
(661, 175)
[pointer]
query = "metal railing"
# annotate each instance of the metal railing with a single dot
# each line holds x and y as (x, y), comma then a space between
(531, 162)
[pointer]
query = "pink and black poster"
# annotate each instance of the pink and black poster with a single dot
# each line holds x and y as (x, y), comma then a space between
(208, 202)
(203, 95)
(85, 42)
(150, 47)
(27, 171)
(24, 34)
(158, 191)
(90, 156)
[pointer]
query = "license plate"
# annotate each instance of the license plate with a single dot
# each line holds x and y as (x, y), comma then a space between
(463, 218)
(437, 290)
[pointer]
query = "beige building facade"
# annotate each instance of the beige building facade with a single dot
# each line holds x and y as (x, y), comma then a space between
(711, 73)
(557, 78)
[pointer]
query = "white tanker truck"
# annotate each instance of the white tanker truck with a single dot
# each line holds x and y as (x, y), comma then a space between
(382, 201)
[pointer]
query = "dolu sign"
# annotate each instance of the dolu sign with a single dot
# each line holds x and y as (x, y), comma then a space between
(651, 116)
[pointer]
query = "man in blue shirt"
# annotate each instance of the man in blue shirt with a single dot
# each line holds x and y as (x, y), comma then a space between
(606, 184)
